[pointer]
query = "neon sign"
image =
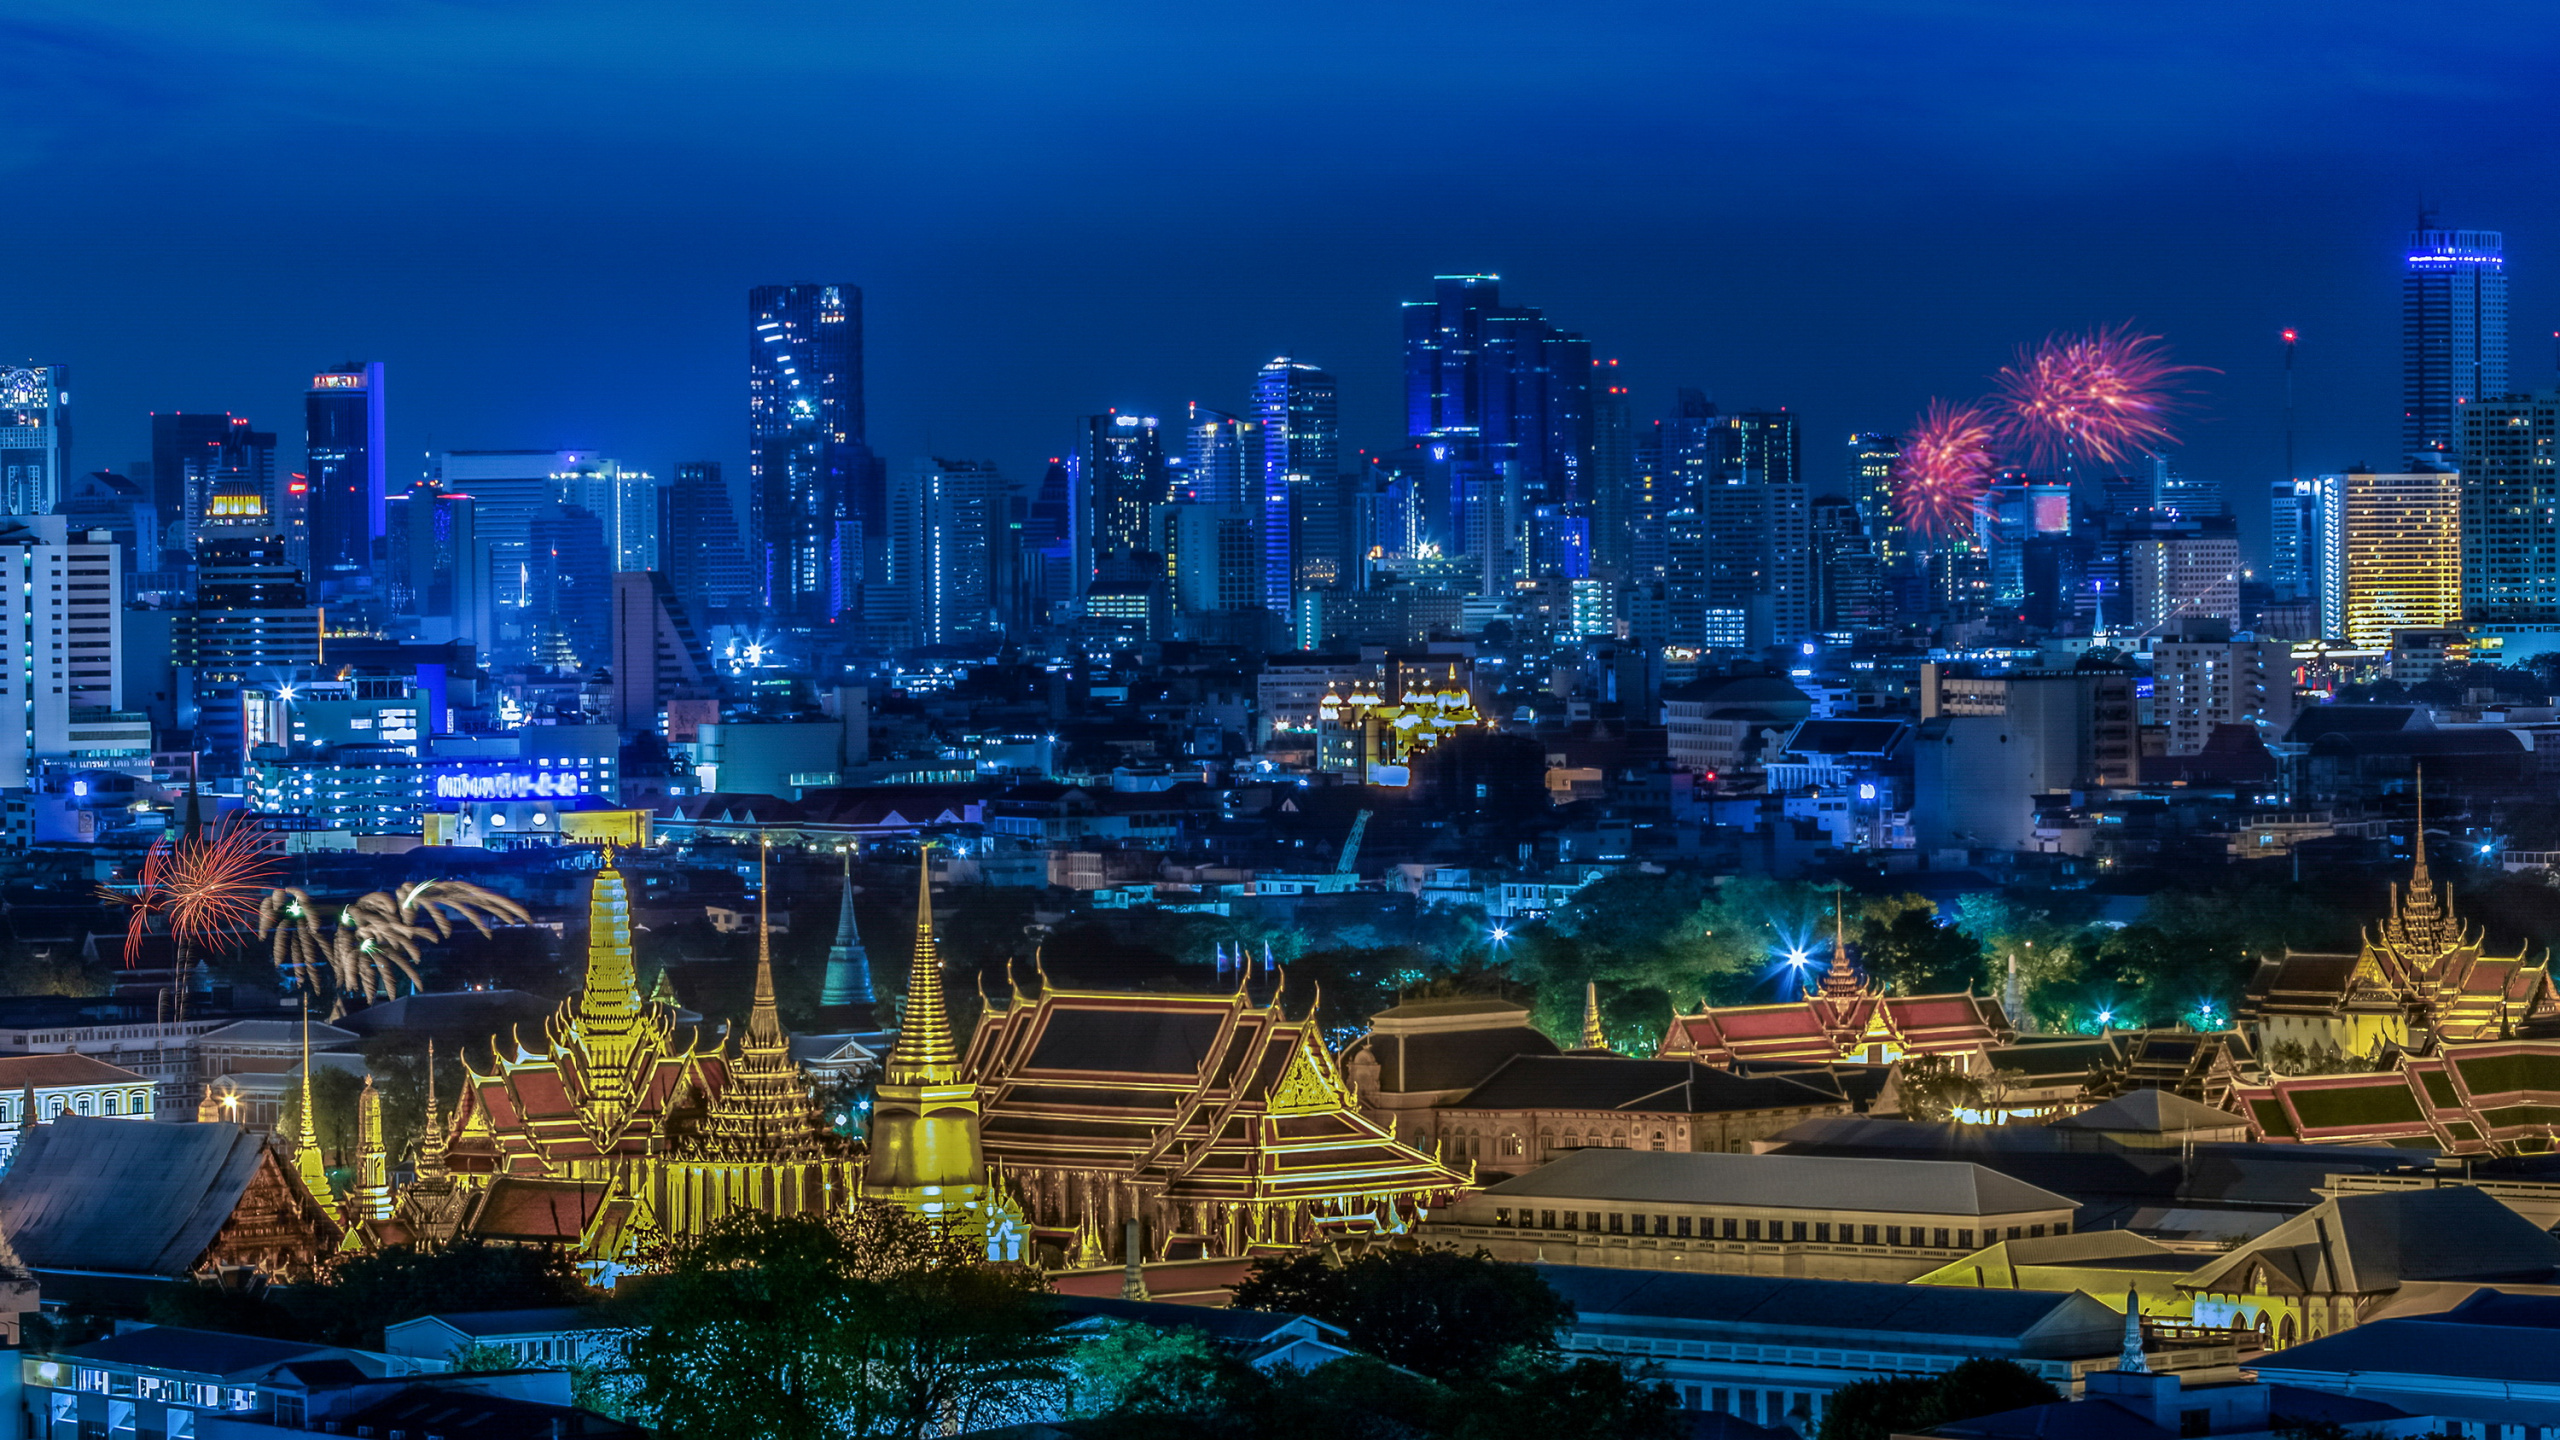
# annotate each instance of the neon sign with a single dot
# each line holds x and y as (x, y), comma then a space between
(507, 785)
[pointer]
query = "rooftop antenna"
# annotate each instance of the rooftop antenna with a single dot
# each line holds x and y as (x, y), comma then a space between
(2289, 337)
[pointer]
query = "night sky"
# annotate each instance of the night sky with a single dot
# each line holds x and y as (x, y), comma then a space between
(544, 218)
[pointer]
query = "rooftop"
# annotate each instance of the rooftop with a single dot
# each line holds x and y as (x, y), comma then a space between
(1909, 1187)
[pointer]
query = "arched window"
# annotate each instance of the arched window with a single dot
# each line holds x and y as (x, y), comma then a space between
(138, 1103)
(107, 1104)
(87, 1104)
(52, 1107)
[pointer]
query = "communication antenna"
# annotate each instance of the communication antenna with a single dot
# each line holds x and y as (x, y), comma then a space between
(2289, 337)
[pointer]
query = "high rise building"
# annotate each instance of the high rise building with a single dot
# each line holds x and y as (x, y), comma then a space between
(623, 499)
(2453, 335)
(35, 438)
(2174, 492)
(2203, 678)
(1499, 400)
(2509, 449)
(1848, 593)
(1120, 478)
(1224, 453)
(1872, 458)
(2293, 538)
(59, 604)
(2174, 571)
(570, 589)
(1213, 554)
(815, 496)
(2391, 553)
(439, 567)
(238, 461)
(1760, 454)
(1298, 480)
(705, 559)
(253, 618)
(508, 489)
(657, 656)
(343, 449)
(945, 553)
(1612, 476)
(186, 454)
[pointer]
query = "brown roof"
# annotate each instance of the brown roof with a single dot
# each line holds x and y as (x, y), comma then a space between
(45, 1071)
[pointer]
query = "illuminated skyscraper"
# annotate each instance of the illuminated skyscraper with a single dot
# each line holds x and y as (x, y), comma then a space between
(625, 500)
(186, 452)
(1120, 478)
(1872, 457)
(2391, 553)
(2510, 457)
(2293, 537)
(705, 560)
(1612, 477)
(35, 439)
(1499, 401)
(1299, 479)
(2453, 334)
(946, 551)
(815, 496)
(57, 583)
(342, 438)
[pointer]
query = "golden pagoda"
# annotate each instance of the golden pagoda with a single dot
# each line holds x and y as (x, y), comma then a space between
(621, 1126)
(925, 1154)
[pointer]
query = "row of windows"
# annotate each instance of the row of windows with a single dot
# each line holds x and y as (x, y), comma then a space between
(1730, 1227)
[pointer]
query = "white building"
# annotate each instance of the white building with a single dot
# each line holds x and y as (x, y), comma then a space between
(2204, 678)
(60, 602)
(70, 1084)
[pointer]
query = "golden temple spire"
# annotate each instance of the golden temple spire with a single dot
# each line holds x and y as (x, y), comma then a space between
(306, 1146)
(1840, 980)
(431, 1141)
(764, 1020)
(2419, 880)
(371, 1196)
(1593, 1036)
(925, 1053)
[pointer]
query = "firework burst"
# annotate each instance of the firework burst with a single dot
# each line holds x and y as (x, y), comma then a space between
(2099, 396)
(1946, 464)
(201, 888)
(379, 938)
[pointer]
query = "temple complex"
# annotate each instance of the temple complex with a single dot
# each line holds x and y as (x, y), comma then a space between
(1220, 1124)
(2422, 978)
(619, 1126)
(1840, 1019)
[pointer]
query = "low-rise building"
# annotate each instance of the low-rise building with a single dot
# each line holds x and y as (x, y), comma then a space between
(1701, 1212)
(59, 1085)
(1537, 1108)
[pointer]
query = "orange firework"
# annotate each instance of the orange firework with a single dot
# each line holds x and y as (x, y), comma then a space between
(2100, 396)
(201, 887)
(1946, 464)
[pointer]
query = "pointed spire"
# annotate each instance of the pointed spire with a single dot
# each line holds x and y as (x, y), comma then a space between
(764, 1019)
(306, 1146)
(1594, 1037)
(1133, 1274)
(847, 994)
(431, 1141)
(2130, 1362)
(925, 1053)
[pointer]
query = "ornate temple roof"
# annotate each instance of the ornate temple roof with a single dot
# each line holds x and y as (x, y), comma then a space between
(1839, 1016)
(1208, 1097)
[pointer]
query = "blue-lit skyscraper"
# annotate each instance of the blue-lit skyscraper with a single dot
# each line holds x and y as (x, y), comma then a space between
(1120, 479)
(1298, 480)
(35, 439)
(1499, 402)
(815, 497)
(342, 438)
(2453, 335)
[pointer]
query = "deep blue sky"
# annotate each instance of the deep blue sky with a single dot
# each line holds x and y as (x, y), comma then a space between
(544, 217)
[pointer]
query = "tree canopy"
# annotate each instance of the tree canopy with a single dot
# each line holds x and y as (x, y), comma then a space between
(1436, 1312)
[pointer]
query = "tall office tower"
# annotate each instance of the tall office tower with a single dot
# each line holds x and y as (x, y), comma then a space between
(947, 537)
(1120, 479)
(1848, 591)
(2391, 553)
(1045, 550)
(186, 454)
(1872, 456)
(1760, 452)
(104, 500)
(59, 599)
(2509, 449)
(439, 568)
(508, 488)
(2293, 537)
(1299, 479)
(571, 585)
(239, 461)
(814, 492)
(2453, 335)
(657, 655)
(1500, 400)
(705, 559)
(1213, 554)
(35, 438)
(342, 440)
(253, 618)
(1224, 453)
(2174, 571)
(2174, 491)
(1612, 477)
(625, 500)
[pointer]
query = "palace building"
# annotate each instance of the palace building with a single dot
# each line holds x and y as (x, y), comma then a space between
(618, 1125)
(1841, 1019)
(2422, 979)
(1220, 1124)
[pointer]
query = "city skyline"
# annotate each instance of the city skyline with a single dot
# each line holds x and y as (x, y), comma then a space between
(2250, 209)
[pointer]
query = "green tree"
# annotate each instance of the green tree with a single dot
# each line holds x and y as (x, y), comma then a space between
(219, 1307)
(1907, 947)
(867, 1323)
(1875, 1409)
(477, 1357)
(1133, 1369)
(1933, 1087)
(334, 1100)
(363, 1293)
(1436, 1312)
(1528, 1396)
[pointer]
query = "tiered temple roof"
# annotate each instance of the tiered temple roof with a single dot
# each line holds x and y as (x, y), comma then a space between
(1222, 1123)
(2501, 1097)
(1840, 1018)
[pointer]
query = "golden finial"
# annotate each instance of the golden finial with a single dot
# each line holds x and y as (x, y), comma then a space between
(925, 1053)
(1593, 1036)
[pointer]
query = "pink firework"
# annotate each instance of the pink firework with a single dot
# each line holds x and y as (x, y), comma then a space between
(2100, 396)
(1946, 464)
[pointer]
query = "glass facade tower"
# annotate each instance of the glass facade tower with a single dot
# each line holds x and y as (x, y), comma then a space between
(814, 495)
(2453, 335)
(342, 438)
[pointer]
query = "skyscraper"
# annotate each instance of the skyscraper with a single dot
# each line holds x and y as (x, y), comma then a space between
(2509, 448)
(1612, 476)
(2453, 334)
(57, 583)
(625, 500)
(35, 438)
(657, 656)
(1223, 450)
(2293, 537)
(2391, 553)
(705, 560)
(815, 496)
(1499, 402)
(1872, 457)
(342, 440)
(1120, 478)
(1299, 480)
(186, 452)
(508, 488)
(945, 552)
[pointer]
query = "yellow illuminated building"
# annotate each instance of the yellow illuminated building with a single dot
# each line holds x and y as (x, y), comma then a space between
(1361, 735)
(2395, 553)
